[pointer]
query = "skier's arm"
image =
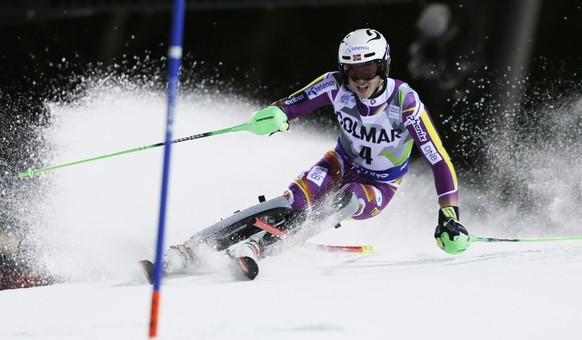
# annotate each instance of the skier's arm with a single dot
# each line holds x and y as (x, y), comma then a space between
(421, 128)
(313, 96)
(450, 234)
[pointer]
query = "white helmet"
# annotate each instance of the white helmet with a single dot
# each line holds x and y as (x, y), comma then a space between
(365, 46)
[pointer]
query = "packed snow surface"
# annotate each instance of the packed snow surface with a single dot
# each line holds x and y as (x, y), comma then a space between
(101, 217)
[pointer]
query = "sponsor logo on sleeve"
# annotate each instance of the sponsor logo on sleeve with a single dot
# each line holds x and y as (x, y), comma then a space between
(431, 153)
(416, 125)
(295, 99)
(317, 175)
(321, 87)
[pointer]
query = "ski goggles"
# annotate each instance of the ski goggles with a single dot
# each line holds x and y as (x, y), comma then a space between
(362, 71)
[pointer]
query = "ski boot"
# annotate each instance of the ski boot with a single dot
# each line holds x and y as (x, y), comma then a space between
(246, 255)
(175, 259)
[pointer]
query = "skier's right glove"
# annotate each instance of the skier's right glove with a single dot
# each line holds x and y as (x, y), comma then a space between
(269, 120)
(451, 236)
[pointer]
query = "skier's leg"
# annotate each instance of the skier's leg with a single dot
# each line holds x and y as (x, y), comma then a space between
(239, 226)
(311, 187)
(315, 184)
(354, 195)
(326, 185)
(372, 197)
(317, 193)
(354, 200)
(315, 198)
(226, 232)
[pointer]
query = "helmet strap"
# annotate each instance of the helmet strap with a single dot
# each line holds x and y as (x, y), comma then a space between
(379, 89)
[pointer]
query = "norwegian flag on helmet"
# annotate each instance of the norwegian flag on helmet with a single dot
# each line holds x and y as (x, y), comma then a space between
(357, 57)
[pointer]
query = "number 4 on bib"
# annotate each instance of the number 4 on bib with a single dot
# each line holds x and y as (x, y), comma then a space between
(366, 153)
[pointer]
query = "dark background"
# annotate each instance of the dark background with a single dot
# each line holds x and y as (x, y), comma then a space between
(495, 61)
(281, 45)
(269, 49)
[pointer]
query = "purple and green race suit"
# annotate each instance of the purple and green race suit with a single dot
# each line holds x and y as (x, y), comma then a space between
(373, 149)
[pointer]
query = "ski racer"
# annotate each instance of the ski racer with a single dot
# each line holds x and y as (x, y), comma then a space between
(381, 119)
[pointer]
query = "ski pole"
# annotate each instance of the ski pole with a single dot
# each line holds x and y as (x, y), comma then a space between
(262, 122)
(474, 238)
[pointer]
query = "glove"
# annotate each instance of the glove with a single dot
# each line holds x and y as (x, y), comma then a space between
(451, 236)
(268, 121)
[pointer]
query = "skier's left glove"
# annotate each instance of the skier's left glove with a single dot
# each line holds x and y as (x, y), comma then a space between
(451, 236)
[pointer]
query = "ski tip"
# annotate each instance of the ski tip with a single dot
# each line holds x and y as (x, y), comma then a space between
(248, 267)
(148, 269)
(367, 249)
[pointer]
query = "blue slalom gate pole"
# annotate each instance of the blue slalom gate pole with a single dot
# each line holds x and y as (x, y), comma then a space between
(174, 59)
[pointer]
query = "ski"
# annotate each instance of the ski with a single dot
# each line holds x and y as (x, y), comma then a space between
(243, 268)
(148, 269)
(330, 248)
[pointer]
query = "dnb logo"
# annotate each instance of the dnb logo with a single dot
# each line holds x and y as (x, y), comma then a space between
(431, 153)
